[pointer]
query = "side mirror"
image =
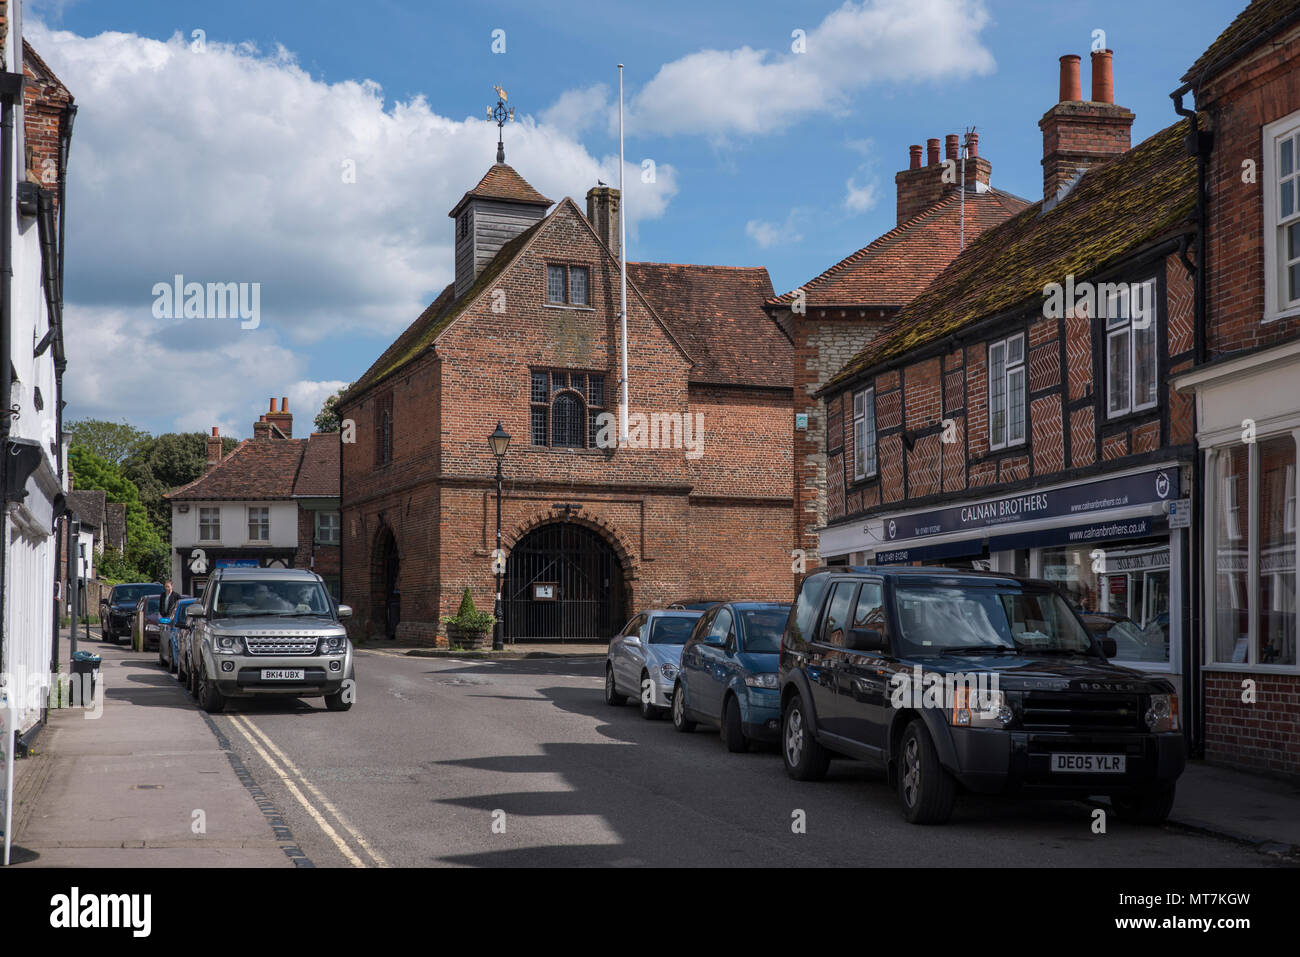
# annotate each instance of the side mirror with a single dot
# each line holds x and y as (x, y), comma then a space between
(1108, 647)
(866, 639)
(193, 611)
(345, 611)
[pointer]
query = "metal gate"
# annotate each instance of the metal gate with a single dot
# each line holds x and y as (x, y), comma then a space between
(562, 581)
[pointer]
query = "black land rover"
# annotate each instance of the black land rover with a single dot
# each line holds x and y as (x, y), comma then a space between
(957, 680)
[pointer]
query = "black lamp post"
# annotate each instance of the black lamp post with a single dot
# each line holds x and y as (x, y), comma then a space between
(499, 442)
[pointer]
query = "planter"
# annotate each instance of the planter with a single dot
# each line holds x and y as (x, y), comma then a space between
(467, 638)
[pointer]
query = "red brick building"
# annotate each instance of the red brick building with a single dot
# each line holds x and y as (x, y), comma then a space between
(1246, 91)
(698, 505)
(1016, 415)
(833, 316)
(272, 502)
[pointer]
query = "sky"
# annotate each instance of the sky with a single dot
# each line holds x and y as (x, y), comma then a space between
(312, 151)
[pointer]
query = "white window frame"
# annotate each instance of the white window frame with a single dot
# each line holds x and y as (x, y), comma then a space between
(1276, 305)
(266, 526)
(1118, 314)
(337, 528)
(864, 446)
(201, 510)
(1010, 370)
(1232, 507)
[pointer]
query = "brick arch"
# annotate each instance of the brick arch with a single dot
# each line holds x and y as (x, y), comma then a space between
(601, 526)
(385, 538)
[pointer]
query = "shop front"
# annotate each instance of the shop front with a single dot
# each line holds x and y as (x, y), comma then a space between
(1106, 542)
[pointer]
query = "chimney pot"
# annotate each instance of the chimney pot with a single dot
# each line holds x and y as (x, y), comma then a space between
(1071, 89)
(932, 151)
(214, 447)
(1103, 78)
(950, 147)
(284, 404)
(214, 431)
(272, 408)
(972, 145)
(915, 151)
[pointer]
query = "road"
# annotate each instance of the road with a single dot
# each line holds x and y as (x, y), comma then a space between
(521, 763)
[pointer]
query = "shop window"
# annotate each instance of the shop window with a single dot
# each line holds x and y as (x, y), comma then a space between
(864, 434)
(1231, 622)
(1133, 598)
(1276, 644)
(1282, 217)
(1130, 314)
(1007, 392)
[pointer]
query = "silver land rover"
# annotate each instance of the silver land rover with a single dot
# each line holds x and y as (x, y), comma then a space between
(269, 631)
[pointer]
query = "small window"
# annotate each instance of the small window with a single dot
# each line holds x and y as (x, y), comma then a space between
(327, 528)
(1130, 313)
(259, 523)
(578, 285)
(210, 524)
(864, 434)
(384, 429)
(555, 284)
(1007, 392)
(1282, 216)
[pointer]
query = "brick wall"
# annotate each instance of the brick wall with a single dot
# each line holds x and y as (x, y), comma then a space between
(1265, 735)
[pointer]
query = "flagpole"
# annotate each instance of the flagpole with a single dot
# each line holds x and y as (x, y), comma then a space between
(622, 268)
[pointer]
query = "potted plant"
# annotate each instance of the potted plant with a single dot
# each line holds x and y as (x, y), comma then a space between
(469, 626)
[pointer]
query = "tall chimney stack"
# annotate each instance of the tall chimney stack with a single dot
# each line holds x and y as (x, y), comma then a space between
(1078, 135)
(281, 418)
(920, 187)
(603, 211)
(214, 447)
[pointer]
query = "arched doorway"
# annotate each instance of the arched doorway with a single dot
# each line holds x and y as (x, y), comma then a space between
(563, 581)
(385, 595)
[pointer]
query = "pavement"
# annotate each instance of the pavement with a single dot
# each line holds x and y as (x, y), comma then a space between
(153, 781)
(511, 652)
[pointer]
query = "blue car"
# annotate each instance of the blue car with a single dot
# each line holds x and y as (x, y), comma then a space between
(728, 673)
(171, 635)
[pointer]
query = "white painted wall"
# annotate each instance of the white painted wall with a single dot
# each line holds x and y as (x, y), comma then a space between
(234, 525)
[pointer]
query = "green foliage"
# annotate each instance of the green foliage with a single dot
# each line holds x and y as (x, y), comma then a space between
(159, 465)
(111, 441)
(146, 554)
(469, 617)
(327, 419)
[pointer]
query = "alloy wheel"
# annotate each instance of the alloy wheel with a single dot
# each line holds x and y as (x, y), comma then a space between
(911, 771)
(793, 737)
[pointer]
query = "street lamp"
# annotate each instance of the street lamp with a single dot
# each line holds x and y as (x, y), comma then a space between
(499, 443)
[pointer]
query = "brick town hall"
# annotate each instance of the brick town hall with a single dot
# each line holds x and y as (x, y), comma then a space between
(697, 506)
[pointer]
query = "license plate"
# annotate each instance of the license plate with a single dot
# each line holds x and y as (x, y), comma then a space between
(1088, 763)
(283, 674)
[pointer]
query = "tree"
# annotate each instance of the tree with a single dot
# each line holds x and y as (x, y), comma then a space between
(146, 553)
(160, 465)
(327, 419)
(111, 441)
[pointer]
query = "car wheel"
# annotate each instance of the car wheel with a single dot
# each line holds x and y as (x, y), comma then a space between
(1146, 807)
(925, 787)
(805, 759)
(337, 702)
(648, 711)
(192, 684)
(612, 697)
(680, 721)
(210, 699)
(733, 735)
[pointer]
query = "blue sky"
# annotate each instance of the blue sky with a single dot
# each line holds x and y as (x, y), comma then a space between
(224, 168)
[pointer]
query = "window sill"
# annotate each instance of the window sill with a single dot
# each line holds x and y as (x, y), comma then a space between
(568, 307)
(1256, 669)
(1291, 312)
(1009, 446)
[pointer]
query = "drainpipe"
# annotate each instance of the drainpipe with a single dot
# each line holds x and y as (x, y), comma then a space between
(11, 89)
(1199, 144)
(66, 119)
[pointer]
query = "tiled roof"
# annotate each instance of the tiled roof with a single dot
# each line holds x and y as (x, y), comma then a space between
(716, 312)
(318, 475)
(902, 262)
(89, 506)
(502, 182)
(256, 469)
(1140, 197)
(1253, 22)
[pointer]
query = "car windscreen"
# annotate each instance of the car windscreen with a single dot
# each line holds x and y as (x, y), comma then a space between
(672, 629)
(763, 628)
(243, 599)
(134, 593)
(959, 618)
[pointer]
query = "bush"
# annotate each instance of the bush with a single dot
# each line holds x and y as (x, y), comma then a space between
(469, 617)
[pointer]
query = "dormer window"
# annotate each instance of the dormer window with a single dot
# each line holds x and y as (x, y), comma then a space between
(567, 285)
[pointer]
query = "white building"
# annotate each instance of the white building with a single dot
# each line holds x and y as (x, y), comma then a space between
(37, 114)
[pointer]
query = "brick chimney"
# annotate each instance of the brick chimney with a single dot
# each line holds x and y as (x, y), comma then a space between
(1079, 134)
(281, 419)
(214, 447)
(603, 213)
(262, 430)
(920, 187)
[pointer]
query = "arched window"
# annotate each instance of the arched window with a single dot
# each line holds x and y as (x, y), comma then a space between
(565, 406)
(568, 422)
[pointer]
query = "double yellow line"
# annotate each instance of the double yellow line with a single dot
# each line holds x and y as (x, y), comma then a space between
(292, 777)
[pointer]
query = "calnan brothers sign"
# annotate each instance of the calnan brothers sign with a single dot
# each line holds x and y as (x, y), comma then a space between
(1081, 500)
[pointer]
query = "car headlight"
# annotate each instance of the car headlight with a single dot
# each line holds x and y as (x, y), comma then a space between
(976, 708)
(333, 645)
(227, 645)
(150, 627)
(1163, 713)
(767, 680)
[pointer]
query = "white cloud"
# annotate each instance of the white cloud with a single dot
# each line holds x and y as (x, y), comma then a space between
(859, 199)
(768, 234)
(581, 109)
(229, 166)
(747, 91)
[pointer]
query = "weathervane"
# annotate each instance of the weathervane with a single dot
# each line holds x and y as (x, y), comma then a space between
(502, 114)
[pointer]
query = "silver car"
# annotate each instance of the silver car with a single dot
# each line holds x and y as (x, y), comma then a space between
(644, 658)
